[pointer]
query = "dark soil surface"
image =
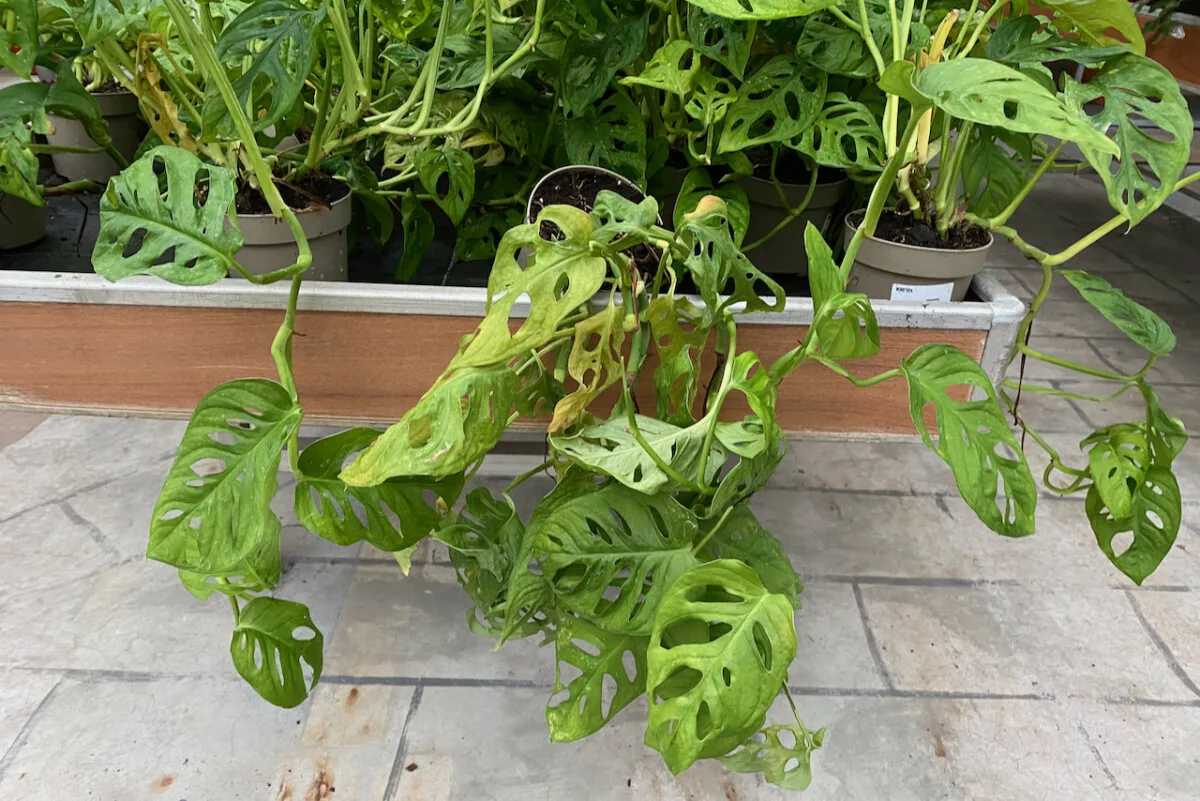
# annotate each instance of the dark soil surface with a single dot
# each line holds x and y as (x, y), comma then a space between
(318, 191)
(904, 230)
(109, 88)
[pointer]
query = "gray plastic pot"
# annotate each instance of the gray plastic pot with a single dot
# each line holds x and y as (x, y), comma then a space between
(895, 271)
(666, 191)
(120, 111)
(783, 254)
(270, 245)
(21, 222)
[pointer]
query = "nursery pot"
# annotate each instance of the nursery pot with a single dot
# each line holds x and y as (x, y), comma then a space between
(21, 222)
(120, 111)
(270, 245)
(896, 271)
(666, 190)
(784, 252)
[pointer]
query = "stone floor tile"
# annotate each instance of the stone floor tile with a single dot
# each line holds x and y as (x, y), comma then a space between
(15, 425)
(831, 642)
(64, 551)
(122, 509)
(21, 694)
(1175, 618)
(905, 467)
(96, 449)
(1073, 349)
(1049, 413)
(1181, 367)
(1140, 748)
(1018, 640)
(416, 625)
(191, 739)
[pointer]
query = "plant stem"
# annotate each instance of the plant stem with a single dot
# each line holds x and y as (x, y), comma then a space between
(868, 36)
(791, 213)
(528, 474)
(671, 472)
(713, 414)
(1069, 365)
(1060, 393)
(859, 382)
(845, 20)
(991, 12)
(233, 604)
(712, 531)
(71, 187)
(354, 77)
(313, 158)
(962, 32)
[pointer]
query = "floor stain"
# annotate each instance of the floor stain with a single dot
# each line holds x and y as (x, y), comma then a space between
(321, 788)
(730, 793)
(161, 784)
(285, 793)
(352, 697)
(939, 748)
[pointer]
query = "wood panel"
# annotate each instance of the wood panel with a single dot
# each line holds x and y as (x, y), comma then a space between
(353, 366)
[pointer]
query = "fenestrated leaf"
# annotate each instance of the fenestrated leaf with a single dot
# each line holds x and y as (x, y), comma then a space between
(391, 516)
(456, 167)
(158, 107)
(34, 102)
(973, 438)
(483, 544)
(788, 767)
(743, 538)
(609, 553)
(19, 43)
(622, 223)
(610, 134)
(988, 93)
(258, 572)
(1136, 321)
(584, 710)
(1117, 460)
(417, 224)
(215, 507)
(97, 20)
(454, 425)
(1166, 434)
(401, 17)
(275, 41)
(775, 104)
(762, 9)
(725, 41)
(611, 449)
(1135, 89)
(677, 376)
(844, 324)
(828, 44)
(992, 175)
(697, 184)
(1093, 19)
(589, 62)
(184, 239)
(271, 639)
(594, 362)
(671, 69)
(722, 680)
(1022, 40)
(756, 464)
(18, 164)
(481, 231)
(844, 136)
(715, 262)
(711, 98)
(1154, 521)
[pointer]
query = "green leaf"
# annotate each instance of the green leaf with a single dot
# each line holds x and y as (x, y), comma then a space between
(828, 44)
(417, 224)
(1117, 460)
(743, 538)
(379, 217)
(401, 17)
(678, 374)
(725, 41)
(609, 553)
(452, 427)
(670, 69)
(589, 63)
(1154, 523)
(711, 98)
(458, 169)
(275, 41)
(1166, 434)
(258, 572)
(775, 104)
(755, 467)
(596, 654)
(97, 20)
(897, 79)
(622, 223)
(184, 238)
(610, 448)
(697, 184)
(608, 134)
(1093, 19)
(215, 507)
(714, 262)
(482, 230)
(268, 653)
(33, 101)
(991, 174)
(988, 93)
(18, 164)
(844, 324)
(1137, 322)
(973, 437)
(1134, 91)
(762, 9)
(724, 679)
(483, 543)
(765, 753)
(19, 43)
(845, 136)
(391, 516)
(1022, 40)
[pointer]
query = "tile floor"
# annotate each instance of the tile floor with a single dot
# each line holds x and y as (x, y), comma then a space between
(946, 662)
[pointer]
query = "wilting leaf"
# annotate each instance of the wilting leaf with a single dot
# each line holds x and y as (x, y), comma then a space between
(788, 767)
(677, 376)
(973, 438)
(1021, 40)
(762, 9)
(19, 42)
(697, 185)
(401, 17)
(724, 674)
(1166, 434)
(1136, 321)
(268, 653)
(597, 654)
(183, 238)
(1093, 19)
(594, 362)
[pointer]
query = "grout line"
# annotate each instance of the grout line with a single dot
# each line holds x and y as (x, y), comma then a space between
(52, 501)
(23, 735)
(1098, 756)
(393, 781)
(872, 645)
(1176, 668)
(906, 581)
(1104, 359)
(1154, 702)
(92, 529)
(434, 681)
(946, 695)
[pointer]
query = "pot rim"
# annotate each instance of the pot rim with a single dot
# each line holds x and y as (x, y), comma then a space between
(845, 179)
(853, 229)
(570, 167)
(334, 207)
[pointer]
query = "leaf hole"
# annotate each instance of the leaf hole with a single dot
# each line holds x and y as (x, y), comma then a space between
(762, 645)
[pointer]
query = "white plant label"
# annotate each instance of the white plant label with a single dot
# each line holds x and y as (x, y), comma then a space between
(921, 292)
